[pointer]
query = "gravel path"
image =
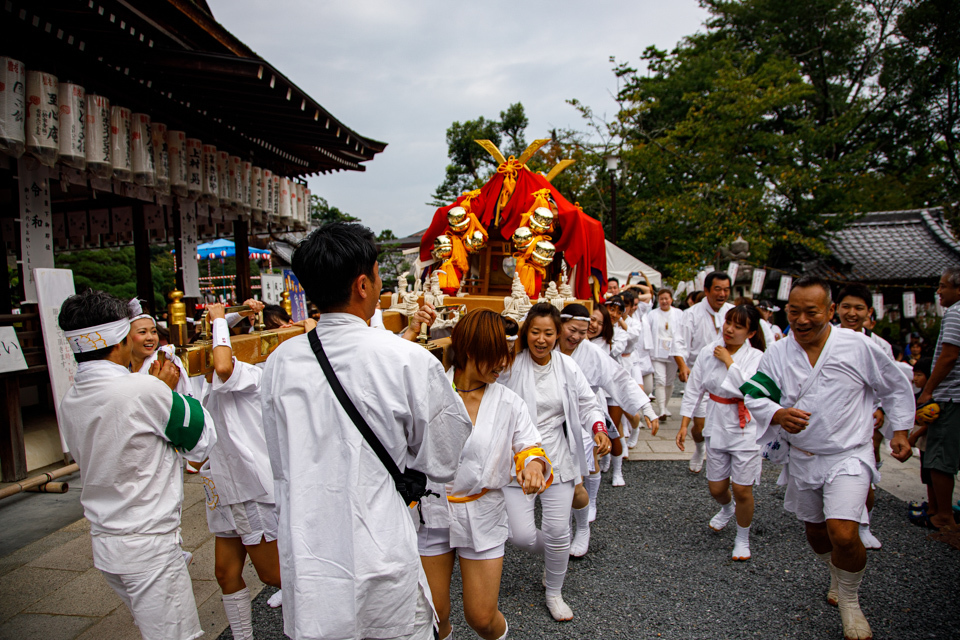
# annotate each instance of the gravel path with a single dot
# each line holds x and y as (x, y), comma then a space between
(656, 571)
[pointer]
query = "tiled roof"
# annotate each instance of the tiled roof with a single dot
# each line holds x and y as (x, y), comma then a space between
(892, 246)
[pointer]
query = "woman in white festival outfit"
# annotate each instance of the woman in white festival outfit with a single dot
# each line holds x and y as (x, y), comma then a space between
(562, 404)
(731, 434)
(468, 519)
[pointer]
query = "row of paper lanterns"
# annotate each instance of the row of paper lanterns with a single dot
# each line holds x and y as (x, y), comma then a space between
(59, 122)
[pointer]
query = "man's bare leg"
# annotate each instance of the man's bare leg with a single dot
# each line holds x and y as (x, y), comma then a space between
(942, 486)
(838, 543)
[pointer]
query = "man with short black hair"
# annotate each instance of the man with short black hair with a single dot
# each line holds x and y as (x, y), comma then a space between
(814, 391)
(348, 547)
(130, 433)
(942, 455)
(700, 326)
(613, 287)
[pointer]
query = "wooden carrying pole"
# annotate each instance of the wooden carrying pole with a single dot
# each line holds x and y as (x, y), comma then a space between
(36, 481)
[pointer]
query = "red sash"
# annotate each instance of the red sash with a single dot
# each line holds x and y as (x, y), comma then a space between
(741, 408)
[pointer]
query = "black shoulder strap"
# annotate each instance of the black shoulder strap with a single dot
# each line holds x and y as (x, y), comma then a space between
(351, 410)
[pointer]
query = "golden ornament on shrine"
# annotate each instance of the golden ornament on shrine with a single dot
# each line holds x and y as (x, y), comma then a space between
(442, 248)
(522, 238)
(457, 219)
(543, 253)
(475, 241)
(541, 221)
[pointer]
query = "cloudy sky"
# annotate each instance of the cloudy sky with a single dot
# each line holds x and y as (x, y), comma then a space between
(403, 71)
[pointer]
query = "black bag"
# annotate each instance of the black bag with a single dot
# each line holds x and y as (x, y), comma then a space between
(411, 484)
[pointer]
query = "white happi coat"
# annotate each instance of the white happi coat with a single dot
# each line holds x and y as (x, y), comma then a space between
(883, 344)
(711, 375)
(503, 428)
(663, 328)
(186, 385)
(603, 373)
(348, 548)
(130, 433)
(700, 327)
(239, 463)
(580, 407)
(840, 401)
(616, 346)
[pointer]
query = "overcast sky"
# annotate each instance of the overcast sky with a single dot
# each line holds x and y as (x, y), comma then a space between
(403, 71)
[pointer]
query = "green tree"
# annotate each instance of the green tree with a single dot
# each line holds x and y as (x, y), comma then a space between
(391, 259)
(322, 212)
(470, 165)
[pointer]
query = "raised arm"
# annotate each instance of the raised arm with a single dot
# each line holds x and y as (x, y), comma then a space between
(222, 351)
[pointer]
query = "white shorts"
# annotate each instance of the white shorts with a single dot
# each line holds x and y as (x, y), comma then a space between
(251, 521)
(742, 467)
(161, 600)
(843, 498)
(436, 542)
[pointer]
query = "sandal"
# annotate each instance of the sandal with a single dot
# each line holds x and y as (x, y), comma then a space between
(921, 520)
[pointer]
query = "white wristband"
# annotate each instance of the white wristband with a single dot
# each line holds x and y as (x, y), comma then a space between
(233, 319)
(221, 333)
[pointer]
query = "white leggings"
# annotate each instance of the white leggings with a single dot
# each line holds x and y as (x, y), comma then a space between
(664, 375)
(553, 541)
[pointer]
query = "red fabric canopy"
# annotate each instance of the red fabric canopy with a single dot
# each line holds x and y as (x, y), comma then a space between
(576, 234)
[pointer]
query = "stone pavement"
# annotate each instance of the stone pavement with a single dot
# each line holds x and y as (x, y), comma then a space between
(49, 589)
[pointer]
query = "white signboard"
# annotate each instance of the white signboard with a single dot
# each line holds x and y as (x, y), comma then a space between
(54, 286)
(878, 305)
(732, 270)
(11, 355)
(786, 282)
(759, 276)
(188, 242)
(909, 304)
(271, 288)
(36, 228)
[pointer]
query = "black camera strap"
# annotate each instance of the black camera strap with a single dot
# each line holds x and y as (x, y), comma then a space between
(351, 410)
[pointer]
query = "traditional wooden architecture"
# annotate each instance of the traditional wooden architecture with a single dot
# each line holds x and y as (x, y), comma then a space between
(138, 122)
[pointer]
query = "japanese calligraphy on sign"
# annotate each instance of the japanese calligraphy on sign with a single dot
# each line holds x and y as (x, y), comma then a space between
(36, 224)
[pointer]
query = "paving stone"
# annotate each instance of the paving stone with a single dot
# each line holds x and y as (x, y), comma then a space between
(88, 595)
(32, 551)
(193, 526)
(75, 555)
(118, 625)
(24, 586)
(29, 626)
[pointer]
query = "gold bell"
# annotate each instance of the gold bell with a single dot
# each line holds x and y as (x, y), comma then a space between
(541, 221)
(442, 248)
(457, 219)
(475, 241)
(543, 253)
(522, 238)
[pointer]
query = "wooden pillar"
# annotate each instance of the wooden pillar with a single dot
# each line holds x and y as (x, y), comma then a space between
(5, 306)
(13, 457)
(141, 247)
(242, 247)
(178, 246)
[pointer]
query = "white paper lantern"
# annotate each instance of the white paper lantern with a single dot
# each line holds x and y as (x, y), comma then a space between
(211, 178)
(301, 217)
(256, 190)
(267, 193)
(141, 150)
(73, 105)
(194, 160)
(13, 89)
(42, 131)
(223, 177)
(235, 169)
(245, 181)
(276, 199)
(285, 214)
(161, 156)
(121, 130)
(306, 208)
(97, 136)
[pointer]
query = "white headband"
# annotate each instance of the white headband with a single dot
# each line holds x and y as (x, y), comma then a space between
(136, 312)
(567, 316)
(98, 337)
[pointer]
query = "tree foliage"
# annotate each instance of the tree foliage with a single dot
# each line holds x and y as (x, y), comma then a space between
(322, 212)
(391, 259)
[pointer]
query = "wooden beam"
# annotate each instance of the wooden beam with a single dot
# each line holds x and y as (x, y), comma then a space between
(242, 259)
(141, 248)
(13, 454)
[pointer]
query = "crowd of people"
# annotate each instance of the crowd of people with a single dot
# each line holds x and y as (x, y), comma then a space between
(354, 471)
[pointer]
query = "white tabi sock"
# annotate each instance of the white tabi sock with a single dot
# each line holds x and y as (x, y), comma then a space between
(867, 538)
(719, 521)
(581, 537)
(592, 484)
(855, 625)
(616, 465)
(741, 546)
(237, 607)
(605, 463)
(832, 593)
(701, 449)
(276, 599)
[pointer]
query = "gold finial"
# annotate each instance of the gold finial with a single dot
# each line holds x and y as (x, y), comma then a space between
(559, 168)
(492, 149)
(286, 304)
(177, 314)
(532, 149)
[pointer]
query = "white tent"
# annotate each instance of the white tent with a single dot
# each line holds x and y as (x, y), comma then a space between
(621, 264)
